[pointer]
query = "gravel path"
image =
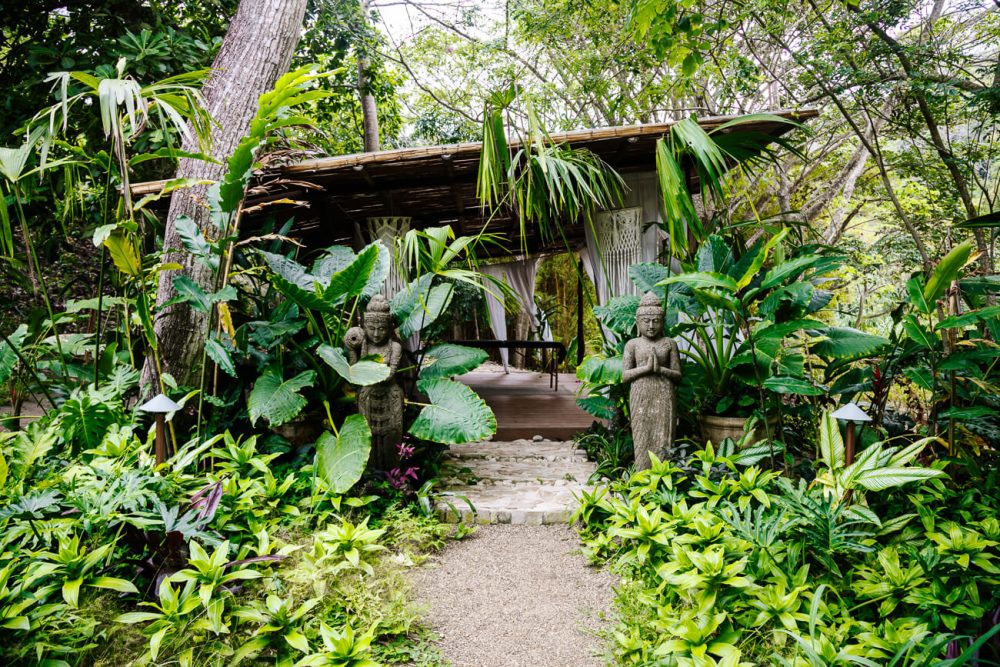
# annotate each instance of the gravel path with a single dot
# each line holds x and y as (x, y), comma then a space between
(515, 596)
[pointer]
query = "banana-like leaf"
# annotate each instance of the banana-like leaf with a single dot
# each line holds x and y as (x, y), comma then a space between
(446, 360)
(456, 414)
(363, 373)
(831, 444)
(758, 256)
(341, 459)
(278, 400)
(947, 270)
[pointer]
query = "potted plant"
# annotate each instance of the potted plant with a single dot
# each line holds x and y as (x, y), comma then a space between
(754, 323)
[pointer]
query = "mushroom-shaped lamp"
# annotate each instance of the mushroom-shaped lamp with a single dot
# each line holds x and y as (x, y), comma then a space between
(853, 415)
(159, 406)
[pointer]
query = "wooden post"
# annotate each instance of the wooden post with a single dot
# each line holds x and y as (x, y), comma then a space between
(161, 438)
(579, 314)
(849, 446)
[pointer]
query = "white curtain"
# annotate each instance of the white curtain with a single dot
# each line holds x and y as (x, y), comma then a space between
(495, 307)
(519, 275)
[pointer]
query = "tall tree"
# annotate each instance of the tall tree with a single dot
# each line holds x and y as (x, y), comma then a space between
(257, 49)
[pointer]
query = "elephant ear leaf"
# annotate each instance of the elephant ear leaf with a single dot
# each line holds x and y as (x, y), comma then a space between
(446, 360)
(426, 310)
(341, 458)
(848, 343)
(362, 373)
(455, 415)
(278, 400)
(292, 280)
(352, 280)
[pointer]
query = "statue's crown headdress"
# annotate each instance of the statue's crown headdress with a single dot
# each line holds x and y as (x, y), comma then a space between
(378, 308)
(650, 305)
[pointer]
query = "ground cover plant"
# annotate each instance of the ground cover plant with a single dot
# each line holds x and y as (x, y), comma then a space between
(727, 563)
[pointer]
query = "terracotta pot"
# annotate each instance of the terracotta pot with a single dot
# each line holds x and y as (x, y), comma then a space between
(715, 429)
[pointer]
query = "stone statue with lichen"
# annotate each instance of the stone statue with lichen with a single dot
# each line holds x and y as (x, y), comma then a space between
(380, 404)
(651, 365)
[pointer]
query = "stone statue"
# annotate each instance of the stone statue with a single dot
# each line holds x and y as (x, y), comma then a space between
(381, 404)
(652, 366)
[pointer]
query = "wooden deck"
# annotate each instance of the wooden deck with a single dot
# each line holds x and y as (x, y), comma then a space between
(525, 405)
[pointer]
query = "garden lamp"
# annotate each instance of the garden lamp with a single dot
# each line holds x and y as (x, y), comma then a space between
(159, 406)
(853, 415)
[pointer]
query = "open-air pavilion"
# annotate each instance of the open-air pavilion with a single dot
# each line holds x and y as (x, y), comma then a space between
(355, 199)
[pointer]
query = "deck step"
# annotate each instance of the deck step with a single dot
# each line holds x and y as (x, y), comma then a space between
(521, 481)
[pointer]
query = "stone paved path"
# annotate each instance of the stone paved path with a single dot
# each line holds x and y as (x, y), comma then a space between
(515, 596)
(519, 482)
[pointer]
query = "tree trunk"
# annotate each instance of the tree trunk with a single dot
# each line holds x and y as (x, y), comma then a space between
(369, 111)
(256, 51)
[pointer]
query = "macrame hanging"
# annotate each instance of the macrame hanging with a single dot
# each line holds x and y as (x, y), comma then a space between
(614, 244)
(388, 230)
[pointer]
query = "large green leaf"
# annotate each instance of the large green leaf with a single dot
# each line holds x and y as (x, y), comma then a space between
(618, 314)
(408, 299)
(363, 373)
(427, 310)
(647, 276)
(598, 369)
(757, 258)
(123, 252)
(278, 400)
(8, 355)
(293, 281)
(831, 444)
(884, 478)
(446, 360)
(380, 271)
(341, 459)
(848, 343)
(352, 280)
(947, 270)
(598, 406)
(790, 268)
(792, 385)
(456, 414)
(217, 352)
(703, 279)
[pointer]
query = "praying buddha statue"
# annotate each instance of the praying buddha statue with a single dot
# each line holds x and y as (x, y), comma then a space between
(652, 366)
(380, 404)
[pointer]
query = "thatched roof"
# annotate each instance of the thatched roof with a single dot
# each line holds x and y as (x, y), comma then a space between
(334, 196)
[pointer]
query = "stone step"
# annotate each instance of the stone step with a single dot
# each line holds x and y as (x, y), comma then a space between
(519, 450)
(521, 482)
(544, 472)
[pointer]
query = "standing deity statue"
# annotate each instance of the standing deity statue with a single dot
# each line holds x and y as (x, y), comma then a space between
(380, 404)
(652, 366)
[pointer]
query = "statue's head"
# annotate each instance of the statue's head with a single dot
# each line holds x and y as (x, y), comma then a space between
(377, 320)
(649, 316)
